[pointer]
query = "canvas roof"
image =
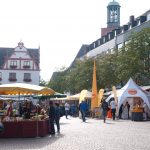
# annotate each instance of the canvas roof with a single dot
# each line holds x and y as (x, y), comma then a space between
(23, 88)
(131, 89)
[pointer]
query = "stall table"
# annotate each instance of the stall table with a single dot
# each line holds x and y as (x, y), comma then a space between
(25, 129)
(137, 115)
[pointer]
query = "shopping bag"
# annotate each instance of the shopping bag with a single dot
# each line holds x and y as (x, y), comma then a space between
(80, 115)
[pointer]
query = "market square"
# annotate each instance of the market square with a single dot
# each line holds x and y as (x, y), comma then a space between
(92, 135)
(55, 98)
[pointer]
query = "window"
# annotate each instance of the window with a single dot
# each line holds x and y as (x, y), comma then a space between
(12, 77)
(13, 64)
(26, 64)
(27, 77)
(94, 45)
(99, 42)
(148, 16)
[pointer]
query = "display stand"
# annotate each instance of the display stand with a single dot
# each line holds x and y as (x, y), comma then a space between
(137, 114)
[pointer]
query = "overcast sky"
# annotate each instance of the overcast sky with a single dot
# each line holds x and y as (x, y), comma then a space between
(59, 27)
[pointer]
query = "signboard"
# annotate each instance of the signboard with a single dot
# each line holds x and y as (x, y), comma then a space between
(132, 91)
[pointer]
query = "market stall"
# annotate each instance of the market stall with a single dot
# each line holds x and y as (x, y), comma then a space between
(20, 126)
(135, 96)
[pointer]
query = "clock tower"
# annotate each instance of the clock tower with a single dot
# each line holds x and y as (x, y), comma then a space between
(113, 14)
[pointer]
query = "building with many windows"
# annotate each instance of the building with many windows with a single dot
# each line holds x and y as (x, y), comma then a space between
(19, 65)
(114, 36)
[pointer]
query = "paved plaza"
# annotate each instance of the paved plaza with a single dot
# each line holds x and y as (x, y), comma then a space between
(92, 135)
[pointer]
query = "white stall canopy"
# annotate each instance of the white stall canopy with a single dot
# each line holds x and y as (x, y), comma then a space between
(131, 89)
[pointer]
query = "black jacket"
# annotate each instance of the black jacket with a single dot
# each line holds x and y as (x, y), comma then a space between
(52, 113)
(105, 106)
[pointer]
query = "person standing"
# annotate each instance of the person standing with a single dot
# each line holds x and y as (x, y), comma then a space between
(83, 109)
(52, 117)
(128, 106)
(120, 111)
(145, 109)
(113, 108)
(67, 108)
(125, 111)
(9, 111)
(105, 108)
(57, 117)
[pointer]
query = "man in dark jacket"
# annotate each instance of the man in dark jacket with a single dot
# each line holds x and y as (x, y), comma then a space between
(105, 109)
(51, 117)
(83, 108)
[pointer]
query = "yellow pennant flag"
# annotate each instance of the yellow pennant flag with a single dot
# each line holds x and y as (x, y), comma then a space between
(94, 100)
(82, 95)
(115, 97)
(100, 96)
(115, 93)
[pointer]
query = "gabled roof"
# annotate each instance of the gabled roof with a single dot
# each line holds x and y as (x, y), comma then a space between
(7, 52)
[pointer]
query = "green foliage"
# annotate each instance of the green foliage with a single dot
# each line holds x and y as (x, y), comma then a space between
(133, 60)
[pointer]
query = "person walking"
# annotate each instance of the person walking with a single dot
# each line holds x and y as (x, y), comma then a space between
(67, 108)
(57, 117)
(51, 117)
(83, 109)
(105, 108)
(113, 108)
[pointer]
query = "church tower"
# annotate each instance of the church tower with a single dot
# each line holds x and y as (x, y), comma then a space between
(113, 17)
(113, 14)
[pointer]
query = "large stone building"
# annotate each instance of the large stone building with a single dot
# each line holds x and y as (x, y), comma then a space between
(20, 65)
(114, 36)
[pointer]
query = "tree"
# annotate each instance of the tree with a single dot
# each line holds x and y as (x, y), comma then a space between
(112, 69)
(133, 60)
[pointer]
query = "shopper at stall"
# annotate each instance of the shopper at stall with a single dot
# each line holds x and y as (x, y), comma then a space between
(9, 111)
(125, 111)
(28, 109)
(20, 109)
(1, 126)
(128, 106)
(38, 109)
(52, 117)
(120, 111)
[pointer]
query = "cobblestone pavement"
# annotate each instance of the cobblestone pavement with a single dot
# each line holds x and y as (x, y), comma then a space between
(92, 135)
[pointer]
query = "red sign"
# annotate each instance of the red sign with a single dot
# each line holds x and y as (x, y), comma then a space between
(132, 91)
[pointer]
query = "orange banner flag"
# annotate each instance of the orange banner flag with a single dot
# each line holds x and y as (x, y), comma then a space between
(94, 100)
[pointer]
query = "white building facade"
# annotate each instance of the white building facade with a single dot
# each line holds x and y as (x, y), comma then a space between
(19, 65)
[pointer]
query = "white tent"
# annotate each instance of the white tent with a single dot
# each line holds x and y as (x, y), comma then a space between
(87, 95)
(131, 89)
